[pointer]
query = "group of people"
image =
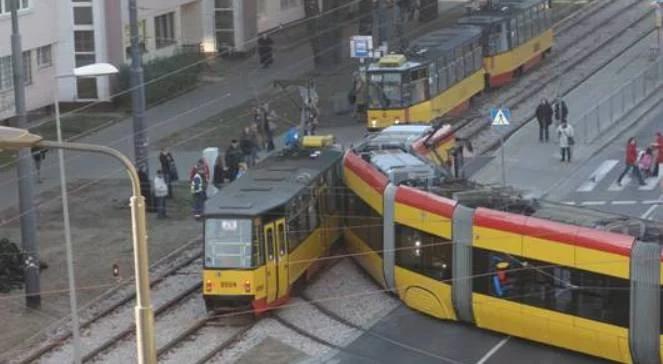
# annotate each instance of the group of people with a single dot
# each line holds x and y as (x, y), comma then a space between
(163, 182)
(643, 163)
(560, 111)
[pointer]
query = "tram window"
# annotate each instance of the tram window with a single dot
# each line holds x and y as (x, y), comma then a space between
(424, 253)
(312, 215)
(513, 33)
(432, 79)
(270, 244)
(478, 58)
(384, 90)
(451, 72)
(537, 17)
(228, 243)
(418, 86)
(442, 83)
(567, 290)
(365, 222)
(469, 60)
(258, 246)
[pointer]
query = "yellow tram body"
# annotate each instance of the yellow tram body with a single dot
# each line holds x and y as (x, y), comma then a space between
(268, 229)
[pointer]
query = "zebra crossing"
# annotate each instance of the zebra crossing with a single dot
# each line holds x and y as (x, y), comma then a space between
(604, 178)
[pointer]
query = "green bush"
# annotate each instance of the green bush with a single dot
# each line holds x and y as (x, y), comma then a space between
(181, 73)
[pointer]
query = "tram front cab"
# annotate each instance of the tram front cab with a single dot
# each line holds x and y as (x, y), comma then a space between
(245, 263)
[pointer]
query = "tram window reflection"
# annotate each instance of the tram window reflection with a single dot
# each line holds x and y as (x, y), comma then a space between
(424, 253)
(385, 90)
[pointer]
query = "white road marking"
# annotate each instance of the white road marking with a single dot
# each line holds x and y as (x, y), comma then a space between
(650, 210)
(492, 351)
(598, 175)
(651, 183)
(593, 203)
(630, 202)
(652, 202)
(615, 187)
(569, 202)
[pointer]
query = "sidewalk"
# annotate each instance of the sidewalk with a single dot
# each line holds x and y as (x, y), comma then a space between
(535, 167)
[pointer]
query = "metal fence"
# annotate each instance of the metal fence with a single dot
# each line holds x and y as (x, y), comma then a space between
(614, 107)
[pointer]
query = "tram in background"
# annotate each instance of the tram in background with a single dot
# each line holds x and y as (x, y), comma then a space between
(442, 70)
(579, 279)
(266, 230)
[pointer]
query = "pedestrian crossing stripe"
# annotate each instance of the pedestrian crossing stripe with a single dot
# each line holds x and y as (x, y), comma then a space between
(500, 119)
(605, 168)
(598, 175)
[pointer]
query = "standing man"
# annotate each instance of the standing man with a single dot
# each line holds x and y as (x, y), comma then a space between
(544, 114)
(566, 141)
(631, 162)
(198, 194)
(160, 194)
(164, 161)
(38, 155)
(265, 50)
(233, 159)
(561, 111)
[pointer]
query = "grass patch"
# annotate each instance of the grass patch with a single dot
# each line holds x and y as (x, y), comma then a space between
(74, 125)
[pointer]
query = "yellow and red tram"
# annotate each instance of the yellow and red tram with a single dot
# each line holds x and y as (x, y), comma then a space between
(529, 275)
(266, 230)
(444, 69)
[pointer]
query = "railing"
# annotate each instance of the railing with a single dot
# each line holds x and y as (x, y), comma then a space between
(618, 104)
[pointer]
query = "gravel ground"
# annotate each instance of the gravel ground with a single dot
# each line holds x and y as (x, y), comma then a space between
(207, 338)
(314, 322)
(123, 317)
(346, 291)
(167, 325)
(581, 39)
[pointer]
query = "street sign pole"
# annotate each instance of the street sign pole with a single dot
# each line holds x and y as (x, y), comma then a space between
(503, 166)
(499, 119)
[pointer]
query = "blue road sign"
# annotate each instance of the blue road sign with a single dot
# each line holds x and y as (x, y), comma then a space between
(500, 117)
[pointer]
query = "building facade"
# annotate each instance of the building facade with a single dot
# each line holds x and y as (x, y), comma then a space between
(60, 35)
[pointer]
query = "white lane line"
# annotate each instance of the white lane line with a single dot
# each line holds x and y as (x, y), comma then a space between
(592, 203)
(598, 175)
(624, 202)
(651, 183)
(569, 202)
(492, 351)
(652, 202)
(650, 210)
(615, 187)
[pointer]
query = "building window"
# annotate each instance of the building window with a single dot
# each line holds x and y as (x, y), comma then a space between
(27, 67)
(6, 5)
(84, 41)
(6, 74)
(83, 15)
(288, 4)
(87, 88)
(164, 30)
(44, 56)
(223, 4)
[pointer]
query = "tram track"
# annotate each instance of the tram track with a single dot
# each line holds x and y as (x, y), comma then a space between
(565, 65)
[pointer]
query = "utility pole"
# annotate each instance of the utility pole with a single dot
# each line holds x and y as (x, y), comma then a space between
(138, 92)
(25, 176)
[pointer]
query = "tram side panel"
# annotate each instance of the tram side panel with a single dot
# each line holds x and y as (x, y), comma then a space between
(540, 298)
(501, 68)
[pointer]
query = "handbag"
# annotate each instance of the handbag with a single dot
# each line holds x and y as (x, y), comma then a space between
(571, 141)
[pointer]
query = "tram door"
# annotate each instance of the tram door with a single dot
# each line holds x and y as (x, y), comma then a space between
(282, 257)
(271, 279)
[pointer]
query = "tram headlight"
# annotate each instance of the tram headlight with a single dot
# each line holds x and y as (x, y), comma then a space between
(208, 286)
(374, 123)
(397, 121)
(247, 286)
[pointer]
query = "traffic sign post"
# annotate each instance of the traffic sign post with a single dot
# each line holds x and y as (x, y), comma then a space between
(361, 46)
(499, 119)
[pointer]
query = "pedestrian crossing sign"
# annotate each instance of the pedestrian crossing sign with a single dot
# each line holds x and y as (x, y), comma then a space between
(500, 117)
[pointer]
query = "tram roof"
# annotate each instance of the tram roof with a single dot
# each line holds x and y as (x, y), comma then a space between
(271, 183)
(447, 39)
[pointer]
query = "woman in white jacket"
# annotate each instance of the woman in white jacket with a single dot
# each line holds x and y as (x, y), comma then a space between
(566, 141)
(160, 194)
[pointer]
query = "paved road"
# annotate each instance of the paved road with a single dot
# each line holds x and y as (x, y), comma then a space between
(422, 339)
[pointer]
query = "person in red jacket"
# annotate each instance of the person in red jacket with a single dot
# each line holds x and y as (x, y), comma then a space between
(631, 162)
(658, 147)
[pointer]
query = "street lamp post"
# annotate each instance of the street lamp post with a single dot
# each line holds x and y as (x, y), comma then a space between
(14, 139)
(93, 70)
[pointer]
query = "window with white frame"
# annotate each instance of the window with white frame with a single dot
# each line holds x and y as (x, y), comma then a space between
(44, 56)
(6, 74)
(288, 4)
(6, 5)
(82, 15)
(164, 29)
(27, 67)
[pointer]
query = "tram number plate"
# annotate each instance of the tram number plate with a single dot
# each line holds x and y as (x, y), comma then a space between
(228, 284)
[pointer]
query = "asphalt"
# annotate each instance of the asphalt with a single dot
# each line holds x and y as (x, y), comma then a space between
(405, 336)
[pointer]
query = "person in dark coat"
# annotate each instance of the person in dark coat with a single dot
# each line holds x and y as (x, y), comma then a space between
(265, 44)
(233, 159)
(219, 172)
(544, 113)
(247, 146)
(165, 162)
(38, 155)
(561, 111)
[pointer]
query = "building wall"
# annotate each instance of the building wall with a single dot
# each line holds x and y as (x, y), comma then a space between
(272, 13)
(38, 28)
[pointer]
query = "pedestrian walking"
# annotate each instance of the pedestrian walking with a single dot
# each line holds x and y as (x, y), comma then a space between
(561, 111)
(265, 44)
(219, 172)
(658, 147)
(631, 160)
(268, 130)
(160, 194)
(246, 144)
(544, 113)
(233, 159)
(165, 162)
(645, 162)
(358, 97)
(198, 194)
(146, 189)
(566, 140)
(38, 155)
(202, 167)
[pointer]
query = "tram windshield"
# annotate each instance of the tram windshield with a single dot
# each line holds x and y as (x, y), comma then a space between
(385, 90)
(228, 243)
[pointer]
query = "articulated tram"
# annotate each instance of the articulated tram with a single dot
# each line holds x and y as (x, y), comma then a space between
(266, 230)
(579, 279)
(442, 70)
